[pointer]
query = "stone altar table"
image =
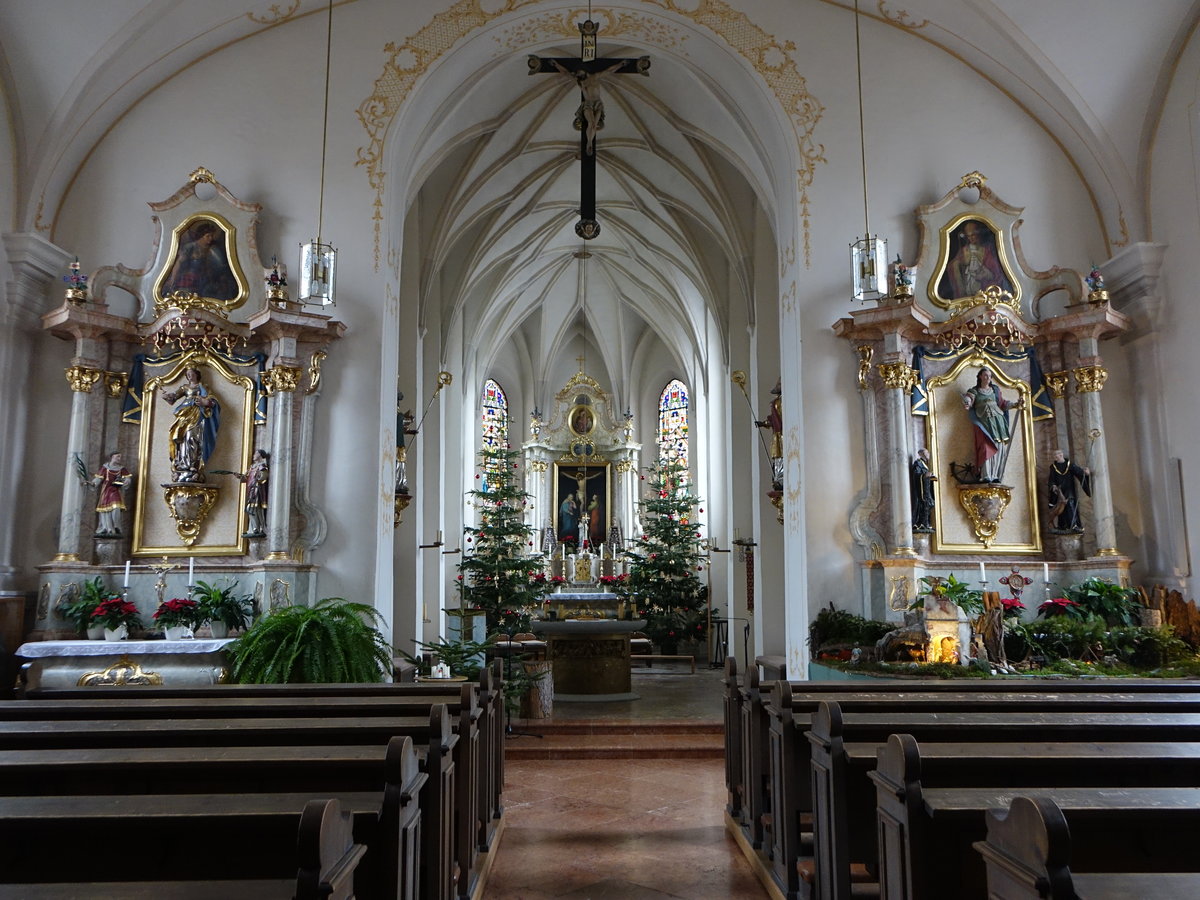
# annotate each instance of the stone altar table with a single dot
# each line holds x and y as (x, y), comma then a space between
(67, 665)
(590, 658)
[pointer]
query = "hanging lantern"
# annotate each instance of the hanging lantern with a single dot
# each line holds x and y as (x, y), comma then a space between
(318, 270)
(868, 263)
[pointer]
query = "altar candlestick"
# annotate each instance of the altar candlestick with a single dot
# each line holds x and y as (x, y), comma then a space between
(126, 573)
(1046, 572)
(192, 570)
(982, 574)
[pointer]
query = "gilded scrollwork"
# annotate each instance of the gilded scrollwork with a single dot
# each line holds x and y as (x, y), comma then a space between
(624, 465)
(276, 15)
(1090, 379)
(123, 672)
(898, 375)
(115, 383)
(82, 378)
(202, 175)
(314, 371)
(985, 505)
(539, 465)
(866, 353)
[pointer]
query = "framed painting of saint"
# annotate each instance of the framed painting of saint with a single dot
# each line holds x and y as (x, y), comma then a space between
(582, 420)
(972, 258)
(203, 262)
(582, 503)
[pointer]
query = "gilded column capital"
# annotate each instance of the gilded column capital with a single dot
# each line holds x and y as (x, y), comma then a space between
(1057, 383)
(624, 465)
(281, 378)
(898, 375)
(1090, 378)
(538, 465)
(81, 378)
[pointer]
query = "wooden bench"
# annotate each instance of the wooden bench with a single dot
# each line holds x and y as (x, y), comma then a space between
(447, 846)
(651, 656)
(790, 790)
(194, 838)
(1112, 830)
(844, 828)
(1028, 856)
(491, 718)
(325, 859)
(747, 723)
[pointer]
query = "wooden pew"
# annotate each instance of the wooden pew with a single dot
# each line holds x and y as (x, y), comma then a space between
(1113, 830)
(490, 718)
(794, 792)
(1028, 857)
(447, 817)
(747, 699)
(325, 859)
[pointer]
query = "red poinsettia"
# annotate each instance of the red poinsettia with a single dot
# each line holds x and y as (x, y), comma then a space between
(115, 612)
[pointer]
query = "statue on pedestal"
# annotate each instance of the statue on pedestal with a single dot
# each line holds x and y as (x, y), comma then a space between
(112, 478)
(1064, 502)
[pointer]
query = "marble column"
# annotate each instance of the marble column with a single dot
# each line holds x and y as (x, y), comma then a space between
(36, 265)
(281, 385)
(899, 377)
(1088, 382)
(82, 379)
(1133, 282)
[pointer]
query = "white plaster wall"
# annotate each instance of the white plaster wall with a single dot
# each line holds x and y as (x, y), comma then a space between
(1174, 198)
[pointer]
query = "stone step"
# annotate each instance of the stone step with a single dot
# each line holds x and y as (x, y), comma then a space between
(605, 740)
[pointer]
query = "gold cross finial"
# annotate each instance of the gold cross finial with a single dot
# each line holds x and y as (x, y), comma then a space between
(581, 360)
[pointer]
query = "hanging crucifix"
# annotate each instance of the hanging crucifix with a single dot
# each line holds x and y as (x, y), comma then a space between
(588, 71)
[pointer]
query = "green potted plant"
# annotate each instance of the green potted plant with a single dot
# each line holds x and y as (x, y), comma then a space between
(118, 617)
(78, 611)
(1114, 604)
(335, 641)
(178, 617)
(950, 589)
(221, 608)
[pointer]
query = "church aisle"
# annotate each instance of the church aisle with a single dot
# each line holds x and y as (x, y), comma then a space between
(618, 830)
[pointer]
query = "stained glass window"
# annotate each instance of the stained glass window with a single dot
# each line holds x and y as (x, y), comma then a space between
(494, 420)
(673, 423)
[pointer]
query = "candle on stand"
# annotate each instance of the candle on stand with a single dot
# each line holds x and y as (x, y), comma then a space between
(192, 570)
(982, 574)
(126, 573)
(1046, 572)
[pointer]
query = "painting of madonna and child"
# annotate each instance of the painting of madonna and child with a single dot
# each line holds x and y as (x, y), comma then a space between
(581, 504)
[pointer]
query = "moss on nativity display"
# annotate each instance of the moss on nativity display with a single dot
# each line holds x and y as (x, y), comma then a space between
(1090, 629)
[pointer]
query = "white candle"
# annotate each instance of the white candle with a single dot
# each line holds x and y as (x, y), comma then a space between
(192, 570)
(126, 573)
(982, 574)
(1046, 572)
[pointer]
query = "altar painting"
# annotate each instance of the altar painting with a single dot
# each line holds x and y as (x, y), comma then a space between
(582, 496)
(203, 261)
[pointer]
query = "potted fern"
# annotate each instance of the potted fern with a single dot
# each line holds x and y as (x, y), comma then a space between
(221, 608)
(79, 610)
(333, 641)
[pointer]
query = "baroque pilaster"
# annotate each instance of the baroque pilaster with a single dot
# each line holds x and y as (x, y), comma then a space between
(36, 266)
(281, 382)
(1089, 381)
(898, 378)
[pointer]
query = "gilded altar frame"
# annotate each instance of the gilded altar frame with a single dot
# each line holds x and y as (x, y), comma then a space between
(154, 533)
(566, 481)
(949, 438)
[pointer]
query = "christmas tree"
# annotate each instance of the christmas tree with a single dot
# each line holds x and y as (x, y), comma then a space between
(664, 564)
(499, 573)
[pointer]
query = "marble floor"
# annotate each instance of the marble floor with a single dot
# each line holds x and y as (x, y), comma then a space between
(618, 830)
(623, 829)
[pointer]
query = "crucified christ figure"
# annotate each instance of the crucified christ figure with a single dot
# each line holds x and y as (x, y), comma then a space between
(589, 117)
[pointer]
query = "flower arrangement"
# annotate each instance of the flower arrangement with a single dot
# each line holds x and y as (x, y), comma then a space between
(1060, 606)
(612, 580)
(1012, 607)
(115, 612)
(178, 612)
(557, 579)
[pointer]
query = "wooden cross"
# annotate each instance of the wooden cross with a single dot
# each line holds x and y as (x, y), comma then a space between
(588, 72)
